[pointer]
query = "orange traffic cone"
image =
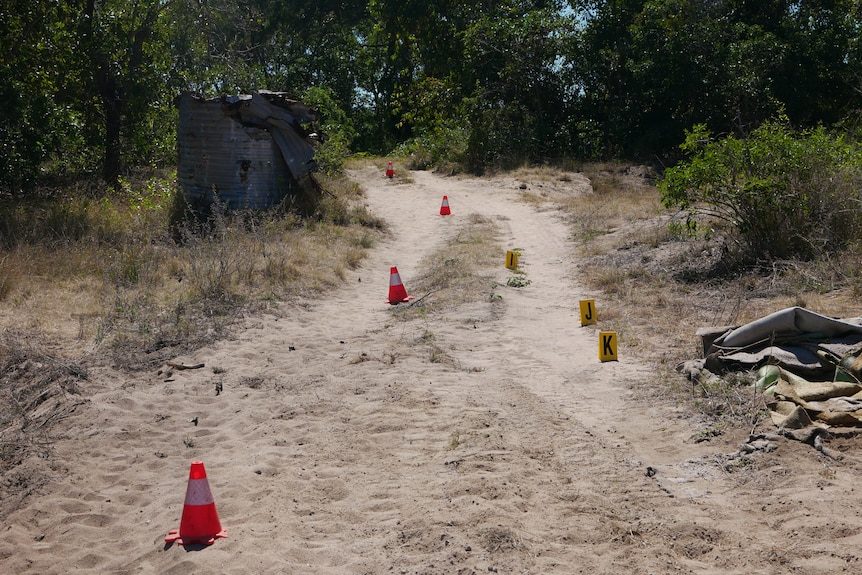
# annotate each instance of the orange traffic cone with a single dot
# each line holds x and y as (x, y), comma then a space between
(397, 292)
(390, 171)
(444, 209)
(199, 523)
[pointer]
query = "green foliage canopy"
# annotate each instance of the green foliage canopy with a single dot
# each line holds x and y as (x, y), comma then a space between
(88, 85)
(787, 194)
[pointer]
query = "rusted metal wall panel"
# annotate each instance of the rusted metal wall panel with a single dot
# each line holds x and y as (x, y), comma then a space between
(222, 159)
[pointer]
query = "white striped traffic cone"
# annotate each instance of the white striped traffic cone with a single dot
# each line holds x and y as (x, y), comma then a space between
(200, 523)
(397, 291)
(444, 208)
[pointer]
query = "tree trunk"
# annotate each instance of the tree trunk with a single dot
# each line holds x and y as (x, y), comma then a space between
(112, 101)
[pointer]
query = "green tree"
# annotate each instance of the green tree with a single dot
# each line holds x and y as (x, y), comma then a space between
(336, 126)
(119, 71)
(646, 69)
(37, 120)
(517, 102)
(821, 66)
(88, 85)
(597, 57)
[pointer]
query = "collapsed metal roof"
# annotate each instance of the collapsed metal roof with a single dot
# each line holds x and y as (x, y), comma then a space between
(284, 119)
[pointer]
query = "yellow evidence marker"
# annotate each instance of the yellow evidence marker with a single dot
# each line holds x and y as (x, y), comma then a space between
(512, 260)
(607, 346)
(588, 312)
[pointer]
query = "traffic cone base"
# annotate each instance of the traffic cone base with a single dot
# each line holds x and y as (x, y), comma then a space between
(444, 208)
(397, 292)
(174, 536)
(200, 522)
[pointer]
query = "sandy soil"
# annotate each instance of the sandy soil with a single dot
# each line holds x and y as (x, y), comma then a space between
(336, 444)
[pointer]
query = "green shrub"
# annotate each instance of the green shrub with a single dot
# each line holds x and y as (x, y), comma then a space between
(787, 194)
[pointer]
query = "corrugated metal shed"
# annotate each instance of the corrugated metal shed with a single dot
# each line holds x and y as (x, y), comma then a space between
(246, 151)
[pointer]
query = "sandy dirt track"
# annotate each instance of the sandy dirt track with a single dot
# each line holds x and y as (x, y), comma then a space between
(337, 446)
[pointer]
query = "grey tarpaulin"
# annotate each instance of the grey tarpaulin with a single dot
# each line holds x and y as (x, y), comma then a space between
(809, 368)
(790, 338)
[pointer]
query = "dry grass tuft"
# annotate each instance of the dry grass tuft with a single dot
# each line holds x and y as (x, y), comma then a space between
(541, 174)
(29, 377)
(455, 274)
(8, 277)
(37, 389)
(403, 166)
(621, 199)
(119, 273)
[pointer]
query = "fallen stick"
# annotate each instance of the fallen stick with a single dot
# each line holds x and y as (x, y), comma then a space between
(183, 366)
(418, 300)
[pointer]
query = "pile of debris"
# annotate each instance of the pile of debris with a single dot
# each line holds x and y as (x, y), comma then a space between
(808, 367)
